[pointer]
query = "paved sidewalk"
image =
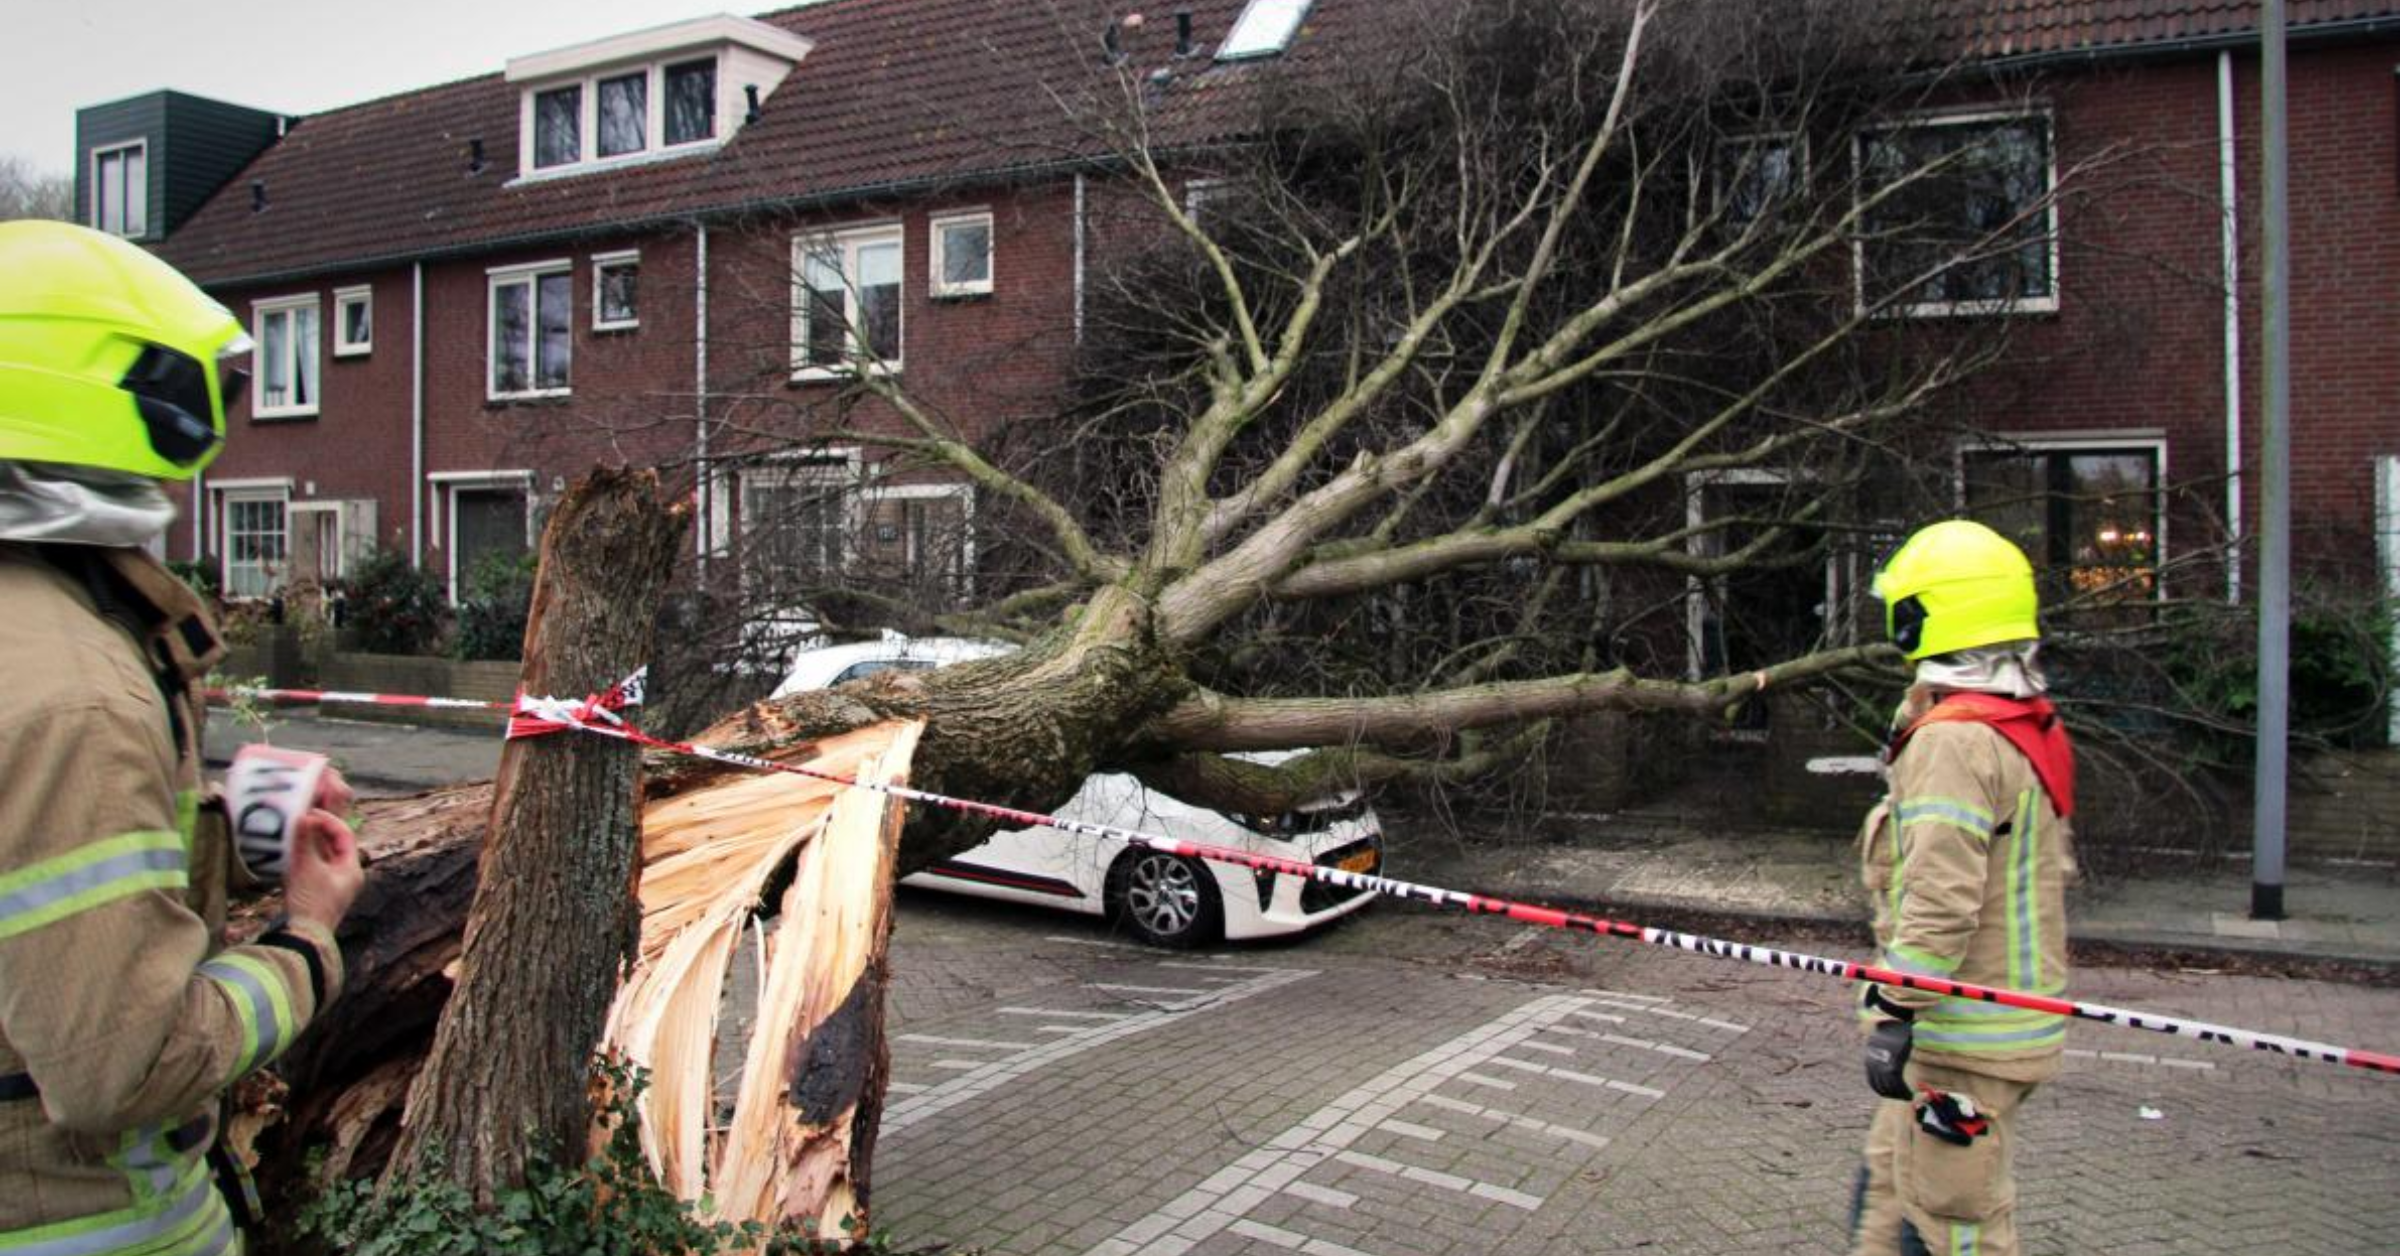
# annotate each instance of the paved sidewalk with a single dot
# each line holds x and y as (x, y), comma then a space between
(2348, 914)
(1626, 866)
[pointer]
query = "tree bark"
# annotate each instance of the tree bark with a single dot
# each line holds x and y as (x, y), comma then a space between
(553, 919)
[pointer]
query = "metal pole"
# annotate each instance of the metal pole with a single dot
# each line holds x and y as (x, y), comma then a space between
(2275, 487)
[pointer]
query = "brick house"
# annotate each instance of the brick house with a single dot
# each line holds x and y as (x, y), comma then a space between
(656, 247)
(463, 295)
(2117, 438)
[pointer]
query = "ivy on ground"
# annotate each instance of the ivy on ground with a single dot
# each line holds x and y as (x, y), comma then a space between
(611, 1205)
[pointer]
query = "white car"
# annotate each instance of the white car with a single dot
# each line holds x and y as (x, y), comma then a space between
(1159, 898)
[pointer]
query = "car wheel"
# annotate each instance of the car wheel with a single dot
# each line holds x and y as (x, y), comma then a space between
(1165, 900)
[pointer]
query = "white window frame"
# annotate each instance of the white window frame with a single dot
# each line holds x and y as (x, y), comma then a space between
(2149, 439)
(446, 485)
(844, 465)
(277, 489)
(343, 299)
(841, 467)
(1695, 515)
(654, 122)
(848, 240)
(1803, 159)
(602, 263)
(2048, 119)
(1198, 193)
(937, 254)
(260, 312)
(132, 204)
(530, 274)
(964, 493)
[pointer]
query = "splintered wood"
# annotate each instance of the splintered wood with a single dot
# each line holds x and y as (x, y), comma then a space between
(802, 1128)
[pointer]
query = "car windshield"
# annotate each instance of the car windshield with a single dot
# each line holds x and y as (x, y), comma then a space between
(871, 666)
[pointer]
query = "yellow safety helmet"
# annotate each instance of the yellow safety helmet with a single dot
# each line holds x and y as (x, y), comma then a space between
(1954, 585)
(108, 356)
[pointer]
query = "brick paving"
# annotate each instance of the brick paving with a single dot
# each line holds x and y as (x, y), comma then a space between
(1058, 1094)
(1422, 1085)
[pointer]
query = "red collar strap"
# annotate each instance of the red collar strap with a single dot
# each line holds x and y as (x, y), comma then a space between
(2031, 725)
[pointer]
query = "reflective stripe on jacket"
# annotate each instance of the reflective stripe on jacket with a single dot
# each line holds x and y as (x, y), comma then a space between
(120, 1016)
(1967, 863)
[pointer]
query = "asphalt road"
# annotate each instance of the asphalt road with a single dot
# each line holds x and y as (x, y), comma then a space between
(1418, 1083)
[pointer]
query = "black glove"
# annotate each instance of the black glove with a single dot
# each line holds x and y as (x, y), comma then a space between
(1887, 1050)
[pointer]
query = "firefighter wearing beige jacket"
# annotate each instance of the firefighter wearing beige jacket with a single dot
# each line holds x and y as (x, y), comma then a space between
(122, 1018)
(1967, 862)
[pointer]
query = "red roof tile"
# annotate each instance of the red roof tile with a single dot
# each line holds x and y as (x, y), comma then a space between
(2012, 28)
(898, 94)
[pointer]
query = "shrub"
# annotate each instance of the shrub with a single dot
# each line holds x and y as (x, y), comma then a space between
(493, 605)
(200, 574)
(2340, 672)
(392, 607)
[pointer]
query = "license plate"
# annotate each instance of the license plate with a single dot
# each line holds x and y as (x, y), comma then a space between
(1363, 861)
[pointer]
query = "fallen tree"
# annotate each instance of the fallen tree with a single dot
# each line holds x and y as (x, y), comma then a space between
(1457, 362)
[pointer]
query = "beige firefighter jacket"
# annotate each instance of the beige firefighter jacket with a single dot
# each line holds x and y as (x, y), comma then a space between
(121, 1017)
(1967, 864)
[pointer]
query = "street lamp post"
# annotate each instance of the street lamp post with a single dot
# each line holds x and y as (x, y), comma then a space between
(2275, 490)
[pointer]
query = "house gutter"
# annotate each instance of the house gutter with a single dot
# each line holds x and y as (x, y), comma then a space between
(416, 417)
(2224, 41)
(723, 213)
(2228, 191)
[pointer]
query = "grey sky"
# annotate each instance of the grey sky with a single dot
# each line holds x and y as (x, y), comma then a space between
(294, 56)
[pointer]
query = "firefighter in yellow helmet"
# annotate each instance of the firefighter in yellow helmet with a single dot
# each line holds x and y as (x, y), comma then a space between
(1966, 861)
(122, 1019)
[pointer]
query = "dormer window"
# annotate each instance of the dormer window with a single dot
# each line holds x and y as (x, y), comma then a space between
(558, 127)
(647, 96)
(617, 115)
(624, 114)
(691, 102)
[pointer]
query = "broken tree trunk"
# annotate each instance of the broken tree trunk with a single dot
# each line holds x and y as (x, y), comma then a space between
(793, 1142)
(553, 918)
(1022, 730)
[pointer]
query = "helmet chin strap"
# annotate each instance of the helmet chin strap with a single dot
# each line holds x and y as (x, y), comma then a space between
(80, 505)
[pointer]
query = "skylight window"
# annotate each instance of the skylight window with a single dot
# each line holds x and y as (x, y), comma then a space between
(1264, 29)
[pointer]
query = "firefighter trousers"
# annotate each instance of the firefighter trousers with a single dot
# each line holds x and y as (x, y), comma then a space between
(1921, 1196)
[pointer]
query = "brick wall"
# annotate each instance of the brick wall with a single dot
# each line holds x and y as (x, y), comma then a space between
(2137, 341)
(974, 363)
(2346, 807)
(354, 447)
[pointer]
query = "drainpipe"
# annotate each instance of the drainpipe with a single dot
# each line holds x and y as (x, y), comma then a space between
(2228, 192)
(416, 417)
(700, 489)
(200, 518)
(1079, 248)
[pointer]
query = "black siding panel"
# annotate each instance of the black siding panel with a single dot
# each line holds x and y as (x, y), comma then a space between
(105, 126)
(196, 146)
(209, 143)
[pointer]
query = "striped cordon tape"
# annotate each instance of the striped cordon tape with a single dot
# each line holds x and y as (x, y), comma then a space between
(599, 715)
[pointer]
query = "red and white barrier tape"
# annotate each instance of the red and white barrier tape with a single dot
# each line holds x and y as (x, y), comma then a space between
(310, 697)
(528, 716)
(539, 716)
